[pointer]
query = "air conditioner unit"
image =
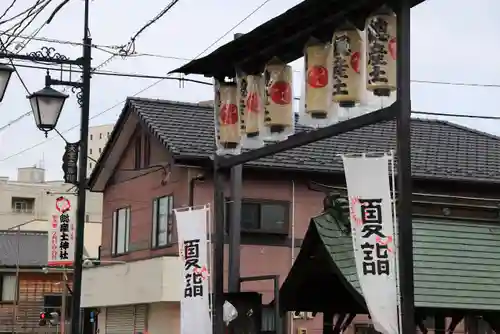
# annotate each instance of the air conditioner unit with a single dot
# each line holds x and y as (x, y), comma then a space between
(310, 315)
(301, 330)
(298, 315)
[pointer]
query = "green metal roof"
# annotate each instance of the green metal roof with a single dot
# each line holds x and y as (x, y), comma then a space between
(457, 263)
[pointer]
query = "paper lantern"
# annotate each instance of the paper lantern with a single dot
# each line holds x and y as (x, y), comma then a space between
(279, 97)
(242, 92)
(381, 52)
(229, 134)
(318, 63)
(347, 50)
(254, 106)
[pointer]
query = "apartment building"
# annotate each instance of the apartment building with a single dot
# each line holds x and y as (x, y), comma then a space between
(28, 201)
(98, 137)
(159, 158)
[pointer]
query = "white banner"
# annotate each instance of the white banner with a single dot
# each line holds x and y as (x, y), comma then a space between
(373, 237)
(193, 250)
(61, 238)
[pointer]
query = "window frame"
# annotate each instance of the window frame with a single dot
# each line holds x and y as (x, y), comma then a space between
(2, 284)
(115, 230)
(155, 219)
(260, 203)
(27, 205)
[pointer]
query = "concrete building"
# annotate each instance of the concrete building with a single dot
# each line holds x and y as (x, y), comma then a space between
(160, 152)
(28, 202)
(98, 137)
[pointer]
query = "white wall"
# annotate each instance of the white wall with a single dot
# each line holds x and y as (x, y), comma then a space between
(44, 195)
(139, 282)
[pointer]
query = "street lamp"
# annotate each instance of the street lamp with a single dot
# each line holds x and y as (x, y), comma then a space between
(47, 105)
(5, 74)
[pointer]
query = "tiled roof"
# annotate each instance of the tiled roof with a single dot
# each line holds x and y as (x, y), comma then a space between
(31, 247)
(439, 149)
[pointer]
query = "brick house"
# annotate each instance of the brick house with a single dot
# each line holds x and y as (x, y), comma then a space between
(158, 157)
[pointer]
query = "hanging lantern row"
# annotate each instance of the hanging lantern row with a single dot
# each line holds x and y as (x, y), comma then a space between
(342, 78)
(254, 108)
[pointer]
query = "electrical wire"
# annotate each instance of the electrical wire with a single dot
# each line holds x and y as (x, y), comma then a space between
(62, 42)
(29, 13)
(116, 74)
(131, 44)
(20, 14)
(54, 13)
(166, 78)
(130, 47)
(4, 48)
(33, 17)
(14, 121)
(8, 9)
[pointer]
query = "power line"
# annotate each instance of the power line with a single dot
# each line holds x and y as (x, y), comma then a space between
(8, 9)
(14, 121)
(456, 115)
(62, 42)
(116, 74)
(20, 14)
(31, 15)
(164, 11)
(130, 47)
(4, 48)
(139, 92)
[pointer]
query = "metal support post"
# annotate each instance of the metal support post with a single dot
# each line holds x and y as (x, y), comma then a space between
(82, 174)
(405, 227)
(233, 276)
(218, 249)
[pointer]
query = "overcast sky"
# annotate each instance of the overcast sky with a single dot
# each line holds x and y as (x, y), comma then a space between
(451, 42)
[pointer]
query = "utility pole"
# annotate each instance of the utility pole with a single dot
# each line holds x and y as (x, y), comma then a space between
(49, 55)
(82, 173)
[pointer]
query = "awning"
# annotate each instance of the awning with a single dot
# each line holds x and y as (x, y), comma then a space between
(455, 268)
(284, 36)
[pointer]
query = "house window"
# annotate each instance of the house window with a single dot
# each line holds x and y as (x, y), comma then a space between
(147, 151)
(100, 136)
(162, 221)
(100, 150)
(90, 151)
(262, 216)
(8, 284)
(23, 205)
(138, 154)
(107, 135)
(90, 165)
(121, 231)
(91, 137)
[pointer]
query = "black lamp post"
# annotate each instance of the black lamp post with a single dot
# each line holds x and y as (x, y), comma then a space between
(47, 105)
(5, 74)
